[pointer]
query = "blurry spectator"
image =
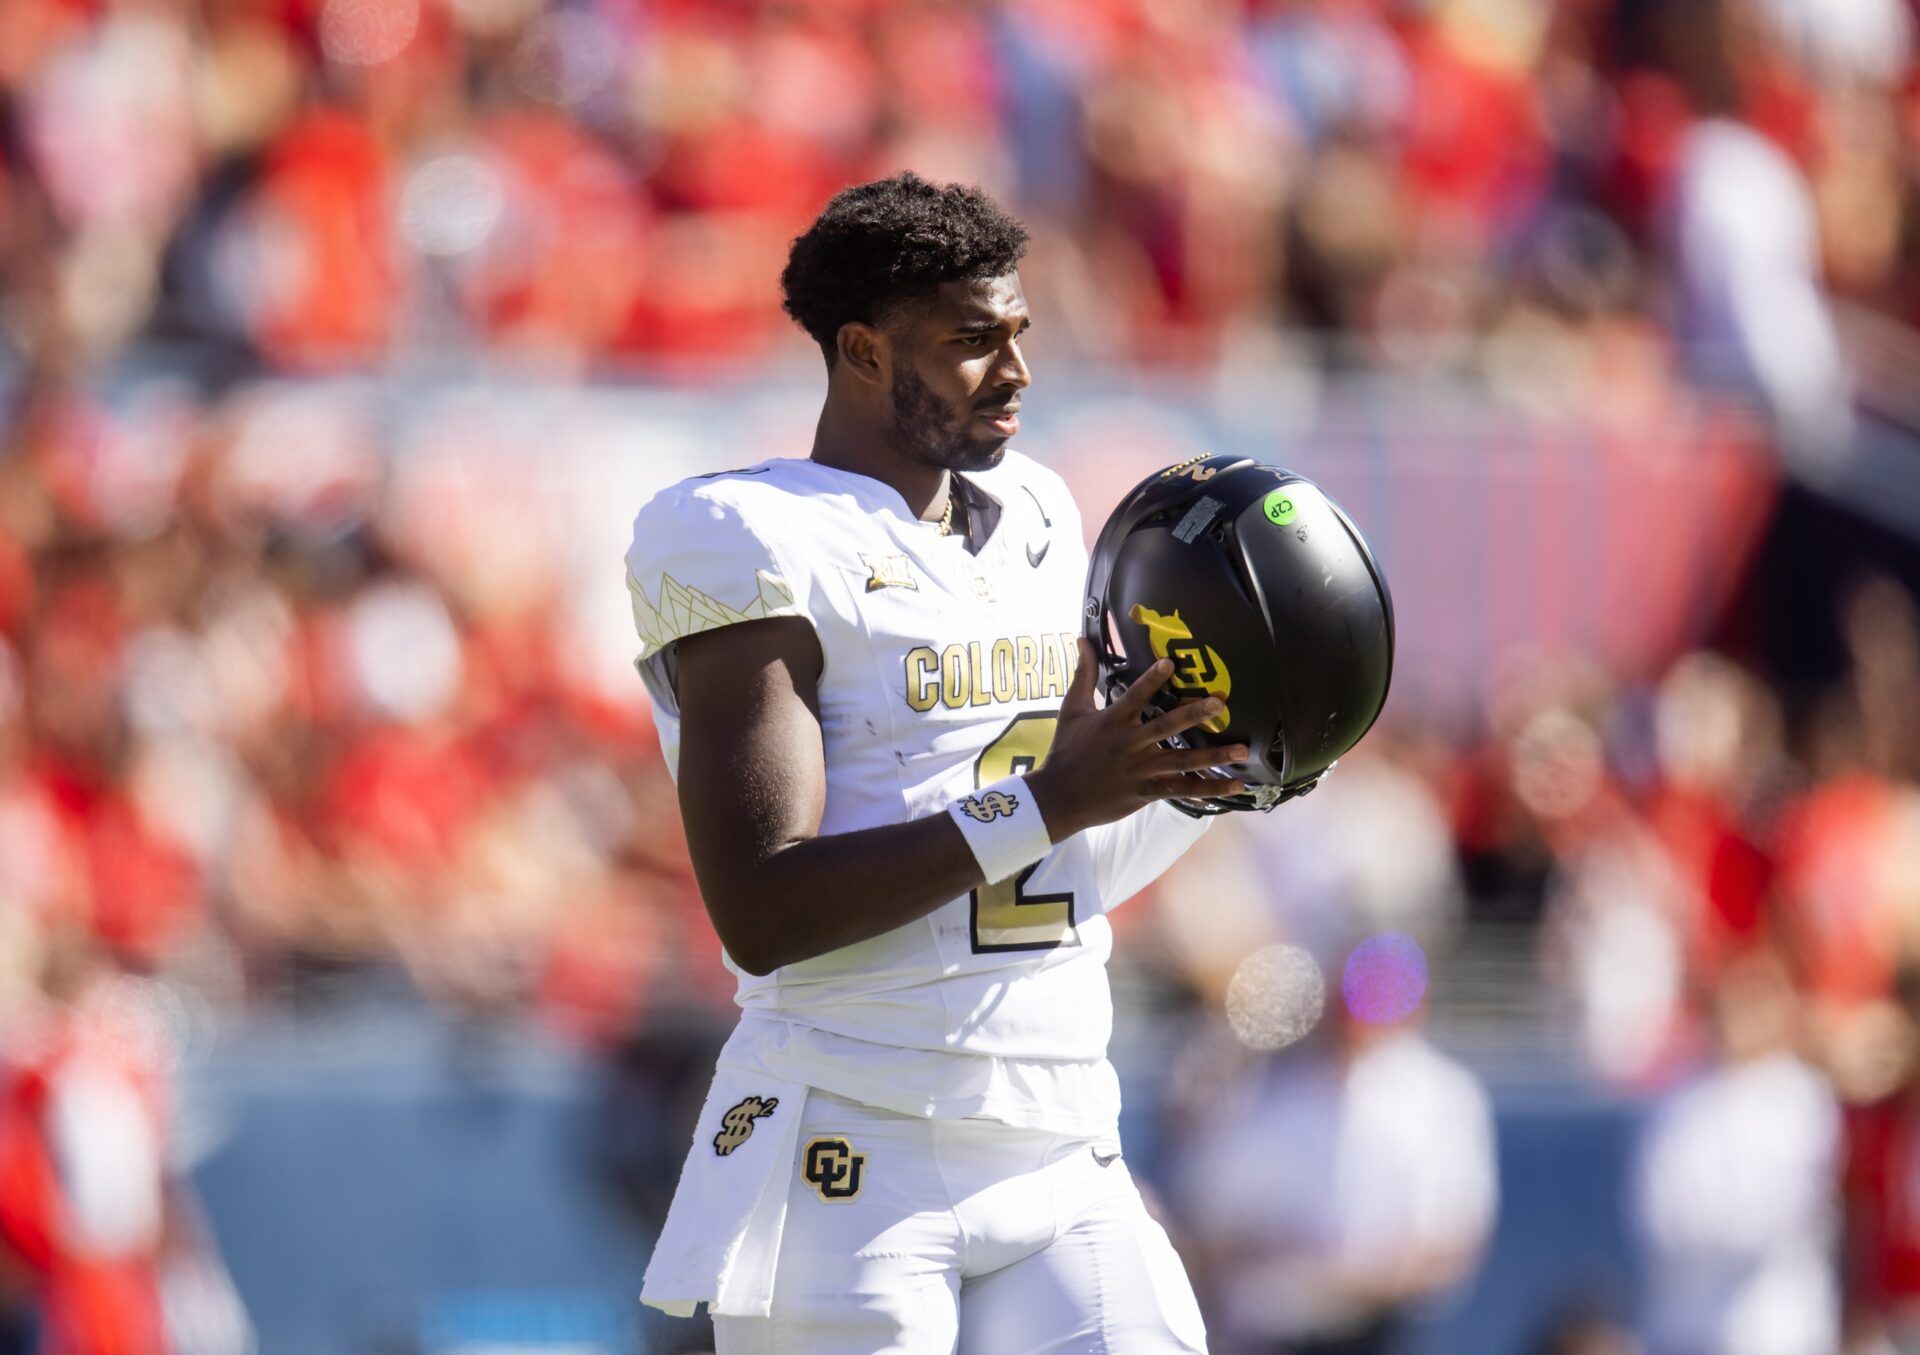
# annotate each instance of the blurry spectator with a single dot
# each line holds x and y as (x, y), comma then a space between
(1746, 242)
(1553, 828)
(1617, 905)
(1880, 623)
(1734, 1193)
(1645, 895)
(1882, 1195)
(1848, 846)
(88, 1204)
(1720, 737)
(310, 257)
(1331, 1190)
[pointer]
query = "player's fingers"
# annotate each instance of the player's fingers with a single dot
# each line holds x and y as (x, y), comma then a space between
(1135, 698)
(1079, 698)
(1176, 760)
(1179, 720)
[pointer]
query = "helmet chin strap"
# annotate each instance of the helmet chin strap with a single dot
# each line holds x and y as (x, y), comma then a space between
(1261, 799)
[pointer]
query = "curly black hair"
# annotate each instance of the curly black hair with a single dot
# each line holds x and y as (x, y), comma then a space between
(890, 241)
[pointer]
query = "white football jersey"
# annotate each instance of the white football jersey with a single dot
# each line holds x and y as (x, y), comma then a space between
(944, 672)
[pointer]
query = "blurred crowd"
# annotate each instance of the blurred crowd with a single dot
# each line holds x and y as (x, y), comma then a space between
(1718, 899)
(257, 748)
(262, 750)
(282, 721)
(1550, 192)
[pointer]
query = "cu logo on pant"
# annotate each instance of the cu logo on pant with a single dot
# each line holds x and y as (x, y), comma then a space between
(833, 1169)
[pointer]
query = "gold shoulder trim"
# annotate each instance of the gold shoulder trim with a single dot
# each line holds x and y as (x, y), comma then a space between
(683, 610)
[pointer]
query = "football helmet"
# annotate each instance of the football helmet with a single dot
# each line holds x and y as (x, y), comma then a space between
(1263, 593)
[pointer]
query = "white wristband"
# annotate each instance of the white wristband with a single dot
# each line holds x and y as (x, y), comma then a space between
(1003, 826)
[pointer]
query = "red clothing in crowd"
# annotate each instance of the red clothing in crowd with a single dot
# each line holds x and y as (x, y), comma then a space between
(1882, 1194)
(1727, 875)
(1842, 906)
(81, 1162)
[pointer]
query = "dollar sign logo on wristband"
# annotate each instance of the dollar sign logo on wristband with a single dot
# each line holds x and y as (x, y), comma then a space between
(986, 808)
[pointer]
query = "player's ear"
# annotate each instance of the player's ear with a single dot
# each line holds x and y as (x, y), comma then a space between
(864, 352)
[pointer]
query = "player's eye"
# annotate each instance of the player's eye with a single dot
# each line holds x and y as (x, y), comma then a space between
(973, 340)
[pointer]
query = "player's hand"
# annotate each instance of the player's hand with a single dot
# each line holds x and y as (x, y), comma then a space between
(1107, 763)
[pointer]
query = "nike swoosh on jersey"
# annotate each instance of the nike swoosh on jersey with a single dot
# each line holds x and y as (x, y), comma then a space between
(1035, 557)
(1106, 1161)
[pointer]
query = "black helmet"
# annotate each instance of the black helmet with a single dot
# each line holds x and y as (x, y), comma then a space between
(1263, 593)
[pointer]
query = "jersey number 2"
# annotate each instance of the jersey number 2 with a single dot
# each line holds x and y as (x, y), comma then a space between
(1005, 915)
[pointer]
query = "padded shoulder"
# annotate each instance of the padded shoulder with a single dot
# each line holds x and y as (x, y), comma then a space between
(707, 553)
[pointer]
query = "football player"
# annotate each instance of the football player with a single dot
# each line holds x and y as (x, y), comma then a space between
(909, 817)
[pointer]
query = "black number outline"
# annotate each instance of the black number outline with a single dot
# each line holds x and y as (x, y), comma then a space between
(1018, 766)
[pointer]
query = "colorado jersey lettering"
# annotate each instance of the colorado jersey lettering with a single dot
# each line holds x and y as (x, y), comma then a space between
(943, 673)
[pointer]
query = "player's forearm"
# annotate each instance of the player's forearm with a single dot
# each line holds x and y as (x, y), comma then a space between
(819, 894)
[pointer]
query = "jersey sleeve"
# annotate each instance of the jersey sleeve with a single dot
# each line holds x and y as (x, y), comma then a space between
(698, 563)
(1131, 853)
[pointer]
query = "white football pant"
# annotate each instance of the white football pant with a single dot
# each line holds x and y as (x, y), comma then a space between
(926, 1237)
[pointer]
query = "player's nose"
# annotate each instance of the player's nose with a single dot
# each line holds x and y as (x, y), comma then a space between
(1012, 372)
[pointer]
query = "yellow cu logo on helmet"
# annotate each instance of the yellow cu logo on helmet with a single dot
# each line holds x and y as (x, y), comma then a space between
(1197, 669)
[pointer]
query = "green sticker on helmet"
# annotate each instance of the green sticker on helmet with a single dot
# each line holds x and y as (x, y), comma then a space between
(1280, 507)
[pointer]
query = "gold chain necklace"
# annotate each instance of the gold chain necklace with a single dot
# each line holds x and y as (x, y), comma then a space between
(946, 515)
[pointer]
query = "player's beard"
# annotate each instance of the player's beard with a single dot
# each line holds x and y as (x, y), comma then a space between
(930, 431)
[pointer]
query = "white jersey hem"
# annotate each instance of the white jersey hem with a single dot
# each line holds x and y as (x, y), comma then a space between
(1078, 1097)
